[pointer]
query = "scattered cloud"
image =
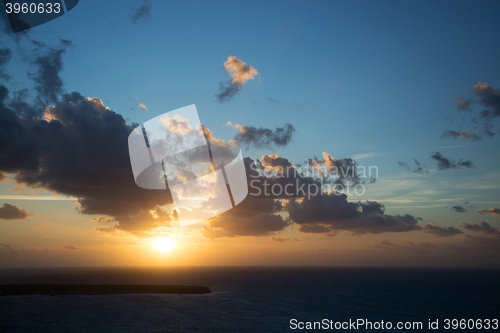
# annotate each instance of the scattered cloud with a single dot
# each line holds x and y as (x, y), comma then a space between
(463, 104)
(486, 96)
(48, 65)
(240, 73)
(418, 169)
(412, 247)
(466, 135)
(482, 227)
(102, 219)
(70, 247)
(445, 163)
(251, 136)
(11, 212)
(143, 107)
(6, 248)
(282, 240)
(493, 211)
(489, 97)
(439, 231)
(459, 209)
(142, 13)
(106, 229)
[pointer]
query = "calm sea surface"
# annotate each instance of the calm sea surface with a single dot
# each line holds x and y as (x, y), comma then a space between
(251, 299)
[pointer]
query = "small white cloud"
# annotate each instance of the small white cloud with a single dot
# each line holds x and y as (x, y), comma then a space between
(142, 106)
(365, 155)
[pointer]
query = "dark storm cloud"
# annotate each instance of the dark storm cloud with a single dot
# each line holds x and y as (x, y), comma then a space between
(240, 73)
(418, 169)
(142, 13)
(459, 209)
(439, 231)
(445, 163)
(78, 149)
(333, 212)
(465, 135)
(482, 227)
(5, 56)
(251, 136)
(11, 212)
(493, 211)
(463, 104)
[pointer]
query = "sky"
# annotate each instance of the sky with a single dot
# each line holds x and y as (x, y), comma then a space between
(409, 88)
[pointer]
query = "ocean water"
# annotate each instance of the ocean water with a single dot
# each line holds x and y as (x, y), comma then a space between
(252, 299)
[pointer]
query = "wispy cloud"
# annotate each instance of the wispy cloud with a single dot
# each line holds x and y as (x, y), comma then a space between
(363, 156)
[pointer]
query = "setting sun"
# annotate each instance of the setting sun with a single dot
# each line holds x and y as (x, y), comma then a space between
(164, 244)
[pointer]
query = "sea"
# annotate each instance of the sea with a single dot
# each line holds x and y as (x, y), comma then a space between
(258, 299)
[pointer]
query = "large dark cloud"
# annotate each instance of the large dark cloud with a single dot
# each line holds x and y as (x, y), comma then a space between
(332, 212)
(11, 212)
(440, 231)
(78, 149)
(493, 211)
(254, 216)
(142, 13)
(482, 227)
(445, 163)
(274, 180)
(251, 136)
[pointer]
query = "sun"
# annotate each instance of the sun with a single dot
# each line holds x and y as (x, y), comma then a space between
(164, 244)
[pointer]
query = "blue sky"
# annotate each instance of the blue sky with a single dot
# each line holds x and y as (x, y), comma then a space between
(358, 76)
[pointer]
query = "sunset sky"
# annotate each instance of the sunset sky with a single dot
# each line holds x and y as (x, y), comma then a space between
(410, 90)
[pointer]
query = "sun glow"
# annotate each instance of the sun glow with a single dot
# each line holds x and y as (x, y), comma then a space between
(164, 244)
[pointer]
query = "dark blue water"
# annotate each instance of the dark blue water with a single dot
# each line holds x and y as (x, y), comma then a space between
(252, 299)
